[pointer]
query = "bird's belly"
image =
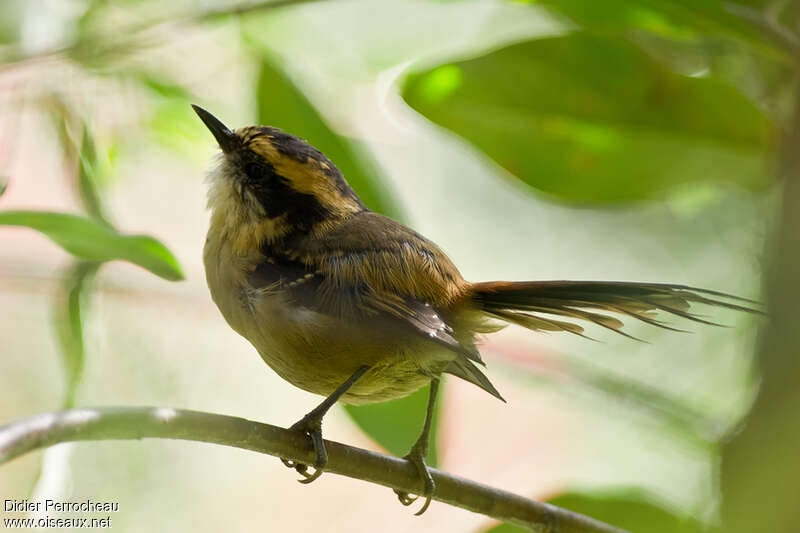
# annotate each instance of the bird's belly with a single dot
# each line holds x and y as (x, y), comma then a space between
(318, 352)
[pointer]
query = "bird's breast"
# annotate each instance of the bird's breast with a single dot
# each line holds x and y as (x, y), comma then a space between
(317, 351)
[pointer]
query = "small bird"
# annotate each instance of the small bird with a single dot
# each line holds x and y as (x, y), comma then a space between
(346, 303)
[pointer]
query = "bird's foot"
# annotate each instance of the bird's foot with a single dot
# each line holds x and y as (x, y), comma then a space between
(311, 427)
(417, 457)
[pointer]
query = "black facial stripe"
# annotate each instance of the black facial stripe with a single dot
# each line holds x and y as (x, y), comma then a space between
(299, 150)
(277, 197)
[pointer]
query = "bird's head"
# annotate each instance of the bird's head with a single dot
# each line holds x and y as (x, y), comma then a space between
(270, 184)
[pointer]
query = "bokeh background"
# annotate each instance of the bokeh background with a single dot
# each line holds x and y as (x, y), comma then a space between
(624, 140)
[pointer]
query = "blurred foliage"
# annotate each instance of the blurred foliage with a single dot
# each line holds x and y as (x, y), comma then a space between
(69, 317)
(591, 119)
(628, 509)
(675, 19)
(505, 528)
(73, 308)
(80, 151)
(675, 415)
(9, 23)
(636, 102)
(760, 467)
(88, 177)
(631, 509)
(94, 241)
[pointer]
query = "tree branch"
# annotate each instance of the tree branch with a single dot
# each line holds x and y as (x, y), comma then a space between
(124, 423)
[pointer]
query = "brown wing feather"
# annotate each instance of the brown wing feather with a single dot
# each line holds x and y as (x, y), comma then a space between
(389, 257)
(371, 267)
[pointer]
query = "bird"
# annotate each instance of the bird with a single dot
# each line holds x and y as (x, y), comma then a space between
(349, 304)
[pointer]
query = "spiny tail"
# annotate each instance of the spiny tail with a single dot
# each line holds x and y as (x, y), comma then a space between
(535, 304)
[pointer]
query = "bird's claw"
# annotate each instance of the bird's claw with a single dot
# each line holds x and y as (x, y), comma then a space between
(405, 498)
(311, 428)
(302, 469)
(417, 457)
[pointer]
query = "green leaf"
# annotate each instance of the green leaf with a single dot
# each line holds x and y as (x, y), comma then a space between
(507, 528)
(91, 174)
(630, 509)
(591, 120)
(69, 321)
(680, 19)
(3, 184)
(94, 241)
(88, 177)
(283, 105)
(396, 424)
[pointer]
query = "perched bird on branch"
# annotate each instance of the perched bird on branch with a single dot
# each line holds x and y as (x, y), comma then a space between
(349, 304)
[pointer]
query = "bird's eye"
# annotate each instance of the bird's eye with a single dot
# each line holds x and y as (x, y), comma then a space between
(254, 170)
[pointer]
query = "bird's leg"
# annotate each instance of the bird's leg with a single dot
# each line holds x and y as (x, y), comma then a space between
(311, 426)
(417, 455)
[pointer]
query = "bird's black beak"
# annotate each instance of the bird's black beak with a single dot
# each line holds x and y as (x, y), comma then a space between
(225, 137)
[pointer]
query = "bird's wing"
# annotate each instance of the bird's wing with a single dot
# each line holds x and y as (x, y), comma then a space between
(372, 267)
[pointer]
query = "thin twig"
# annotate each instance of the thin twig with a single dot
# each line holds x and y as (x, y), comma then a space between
(125, 423)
